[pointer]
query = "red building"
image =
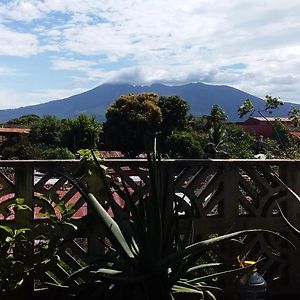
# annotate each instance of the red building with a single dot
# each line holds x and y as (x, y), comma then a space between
(263, 126)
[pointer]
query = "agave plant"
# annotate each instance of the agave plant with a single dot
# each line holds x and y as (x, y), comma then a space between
(144, 257)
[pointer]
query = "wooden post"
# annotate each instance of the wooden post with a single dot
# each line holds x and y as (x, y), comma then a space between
(291, 175)
(96, 235)
(24, 218)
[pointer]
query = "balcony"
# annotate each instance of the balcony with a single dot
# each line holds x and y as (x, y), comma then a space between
(222, 195)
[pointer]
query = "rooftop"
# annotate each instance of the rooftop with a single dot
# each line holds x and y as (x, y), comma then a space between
(6, 130)
(271, 119)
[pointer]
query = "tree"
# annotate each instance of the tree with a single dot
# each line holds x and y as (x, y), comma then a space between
(48, 131)
(280, 133)
(27, 120)
(184, 144)
(236, 135)
(174, 113)
(130, 122)
(81, 133)
(271, 103)
(216, 132)
(57, 153)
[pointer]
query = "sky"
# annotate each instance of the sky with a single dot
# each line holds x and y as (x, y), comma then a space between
(52, 49)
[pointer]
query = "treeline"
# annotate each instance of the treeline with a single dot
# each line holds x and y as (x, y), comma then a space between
(131, 123)
(51, 138)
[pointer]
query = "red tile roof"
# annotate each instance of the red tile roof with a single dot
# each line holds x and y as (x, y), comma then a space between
(5, 130)
(295, 134)
(111, 154)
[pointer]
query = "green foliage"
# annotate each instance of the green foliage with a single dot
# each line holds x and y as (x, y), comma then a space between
(80, 133)
(57, 153)
(183, 144)
(24, 250)
(246, 108)
(197, 123)
(23, 149)
(215, 126)
(47, 131)
(281, 135)
(271, 103)
(51, 138)
(19, 147)
(133, 120)
(130, 121)
(174, 113)
(294, 115)
(210, 136)
(145, 258)
(27, 120)
(235, 135)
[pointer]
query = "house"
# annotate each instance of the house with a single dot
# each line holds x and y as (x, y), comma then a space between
(261, 126)
(6, 132)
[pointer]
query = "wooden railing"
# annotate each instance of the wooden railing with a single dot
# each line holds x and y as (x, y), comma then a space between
(222, 195)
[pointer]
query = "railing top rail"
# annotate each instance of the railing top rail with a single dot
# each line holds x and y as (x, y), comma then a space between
(45, 163)
(118, 161)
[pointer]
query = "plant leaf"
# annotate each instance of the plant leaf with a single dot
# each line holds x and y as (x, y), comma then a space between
(7, 229)
(198, 248)
(110, 223)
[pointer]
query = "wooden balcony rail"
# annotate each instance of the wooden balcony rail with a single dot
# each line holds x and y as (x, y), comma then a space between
(222, 195)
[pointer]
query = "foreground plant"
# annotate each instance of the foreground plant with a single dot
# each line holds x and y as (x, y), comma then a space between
(144, 257)
(24, 250)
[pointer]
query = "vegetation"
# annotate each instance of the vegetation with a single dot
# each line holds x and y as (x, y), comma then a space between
(130, 122)
(185, 144)
(282, 144)
(51, 137)
(145, 256)
(24, 249)
(174, 112)
(133, 120)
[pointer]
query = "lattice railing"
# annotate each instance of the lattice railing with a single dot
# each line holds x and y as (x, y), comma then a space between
(223, 195)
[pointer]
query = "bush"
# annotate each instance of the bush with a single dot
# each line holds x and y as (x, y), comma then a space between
(57, 153)
(184, 144)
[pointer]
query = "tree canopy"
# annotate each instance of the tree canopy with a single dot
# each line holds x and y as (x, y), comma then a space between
(51, 137)
(134, 119)
(81, 133)
(130, 121)
(174, 112)
(27, 120)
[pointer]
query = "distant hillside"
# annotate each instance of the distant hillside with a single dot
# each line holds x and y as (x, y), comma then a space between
(200, 96)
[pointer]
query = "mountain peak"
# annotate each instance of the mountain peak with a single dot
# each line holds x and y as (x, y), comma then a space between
(200, 96)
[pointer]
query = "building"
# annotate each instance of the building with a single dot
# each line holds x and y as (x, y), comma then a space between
(6, 132)
(261, 126)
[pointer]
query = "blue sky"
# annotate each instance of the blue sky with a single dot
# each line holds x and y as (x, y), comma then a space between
(51, 49)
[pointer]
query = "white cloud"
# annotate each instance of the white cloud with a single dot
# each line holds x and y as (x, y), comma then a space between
(5, 71)
(143, 75)
(43, 95)
(11, 99)
(14, 43)
(171, 41)
(71, 64)
(21, 10)
(90, 69)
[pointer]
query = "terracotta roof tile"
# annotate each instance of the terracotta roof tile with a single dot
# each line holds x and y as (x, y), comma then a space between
(14, 130)
(295, 134)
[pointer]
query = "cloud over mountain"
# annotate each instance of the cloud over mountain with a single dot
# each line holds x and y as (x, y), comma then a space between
(251, 45)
